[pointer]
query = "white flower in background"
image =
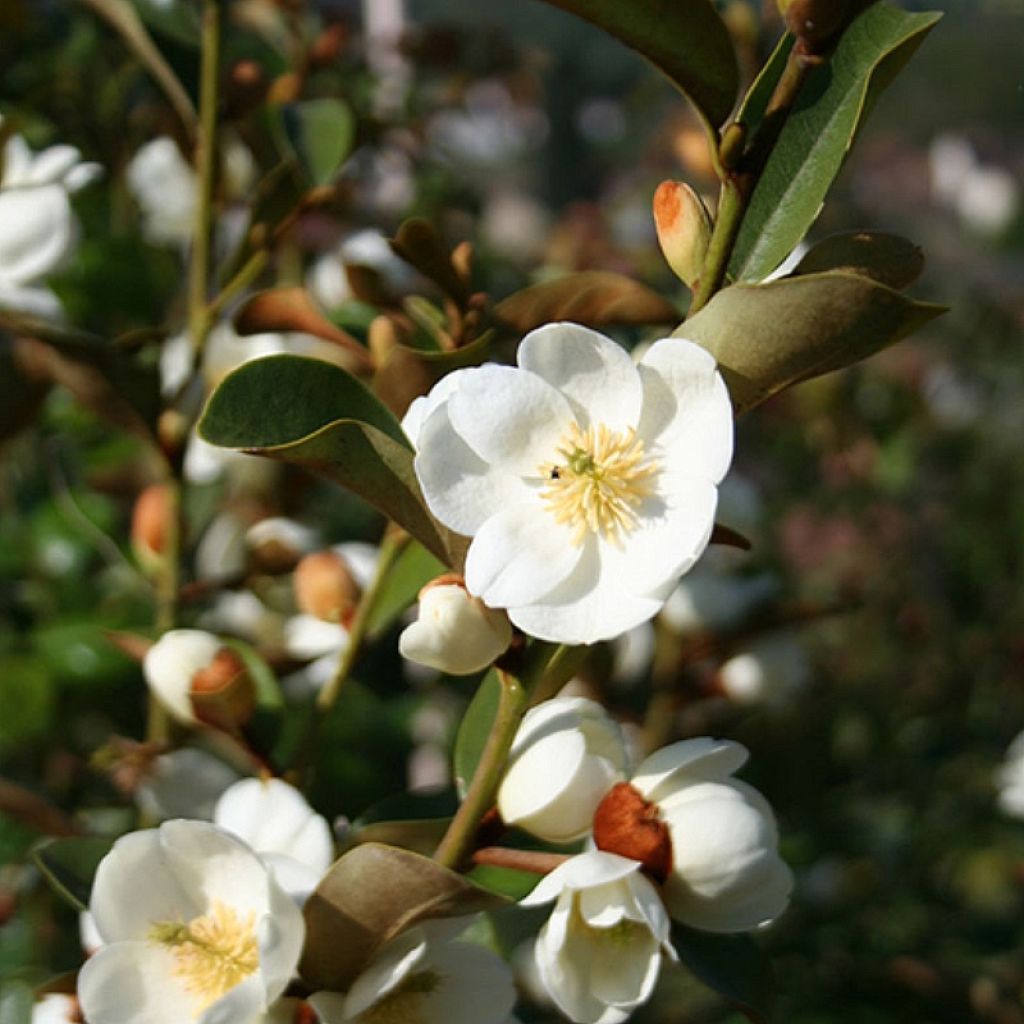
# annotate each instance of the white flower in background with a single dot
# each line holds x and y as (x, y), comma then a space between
(710, 598)
(55, 1008)
(454, 632)
(195, 929)
(328, 281)
(185, 783)
(718, 853)
(279, 542)
(164, 185)
(567, 754)
(427, 977)
(769, 669)
(38, 229)
(1010, 779)
(277, 822)
(986, 198)
(588, 484)
(599, 953)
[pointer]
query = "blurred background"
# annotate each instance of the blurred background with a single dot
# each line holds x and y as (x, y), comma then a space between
(869, 650)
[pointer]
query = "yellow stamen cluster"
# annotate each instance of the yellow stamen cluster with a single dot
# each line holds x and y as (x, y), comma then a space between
(212, 953)
(403, 1005)
(604, 475)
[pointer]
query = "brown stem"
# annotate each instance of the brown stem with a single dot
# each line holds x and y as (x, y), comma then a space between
(534, 861)
(33, 810)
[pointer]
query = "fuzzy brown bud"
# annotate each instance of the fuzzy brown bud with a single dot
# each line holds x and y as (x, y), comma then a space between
(324, 587)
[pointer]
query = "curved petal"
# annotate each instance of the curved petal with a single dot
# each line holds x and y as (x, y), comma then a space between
(389, 968)
(38, 232)
(595, 867)
(509, 418)
(330, 1007)
(241, 1003)
(51, 165)
(687, 411)
(595, 375)
(672, 531)
(34, 300)
(460, 488)
(280, 935)
(518, 555)
(477, 986)
(699, 759)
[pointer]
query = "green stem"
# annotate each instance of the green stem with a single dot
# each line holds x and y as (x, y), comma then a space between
(247, 274)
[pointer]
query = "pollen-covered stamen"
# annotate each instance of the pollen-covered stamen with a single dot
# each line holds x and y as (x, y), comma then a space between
(604, 475)
(212, 953)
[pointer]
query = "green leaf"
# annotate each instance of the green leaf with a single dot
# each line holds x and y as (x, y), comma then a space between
(474, 729)
(507, 882)
(595, 298)
(413, 821)
(766, 337)
(178, 21)
(313, 414)
(414, 568)
(734, 966)
(818, 133)
(319, 133)
(69, 865)
(685, 39)
(16, 1002)
(885, 258)
(265, 684)
(27, 695)
(755, 103)
(370, 895)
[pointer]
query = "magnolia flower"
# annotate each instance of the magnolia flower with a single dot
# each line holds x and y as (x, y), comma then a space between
(567, 754)
(1010, 779)
(277, 822)
(709, 839)
(599, 953)
(38, 229)
(454, 632)
(195, 929)
(423, 975)
(587, 483)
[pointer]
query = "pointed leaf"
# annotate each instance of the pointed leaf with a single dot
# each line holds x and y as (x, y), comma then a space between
(414, 568)
(418, 243)
(69, 865)
(888, 259)
(370, 895)
(474, 729)
(685, 39)
(734, 966)
(595, 298)
(766, 337)
(319, 133)
(314, 414)
(815, 139)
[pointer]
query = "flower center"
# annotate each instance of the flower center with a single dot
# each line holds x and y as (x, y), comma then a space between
(212, 953)
(604, 475)
(403, 1005)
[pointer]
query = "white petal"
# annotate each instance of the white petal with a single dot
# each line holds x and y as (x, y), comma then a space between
(510, 418)
(421, 408)
(477, 986)
(519, 555)
(185, 783)
(699, 759)
(460, 488)
(595, 867)
(171, 663)
(38, 232)
(388, 969)
(17, 162)
(330, 1007)
(34, 300)
(686, 411)
(81, 176)
(51, 165)
(280, 935)
(241, 1003)
(595, 375)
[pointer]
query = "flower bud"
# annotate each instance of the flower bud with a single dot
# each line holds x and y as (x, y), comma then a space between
(222, 693)
(150, 518)
(324, 587)
(276, 544)
(813, 21)
(567, 754)
(454, 632)
(770, 670)
(684, 229)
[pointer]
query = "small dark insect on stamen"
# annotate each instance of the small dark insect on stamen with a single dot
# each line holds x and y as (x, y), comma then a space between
(555, 474)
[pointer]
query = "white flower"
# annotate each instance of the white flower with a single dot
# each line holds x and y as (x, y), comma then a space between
(454, 632)
(1010, 779)
(567, 754)
(277, 822)
(725, 871)
(328, 281)
(599, 953)
(38, 229)
(423, 976)
(164, 185)
(171, 664)
(195, 929)
(55, 1008)
(712, 599)
(588, 484)
(769, 669)
(185, 783)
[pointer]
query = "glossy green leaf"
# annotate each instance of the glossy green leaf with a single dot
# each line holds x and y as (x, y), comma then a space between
(314, 414)
(474, 729)
(507, 882)
(370, 895)
(885, 258)
(734, 966)
(413, 821)
(413, 569)
(755, 103)
(685, 39)
(595, 298)
(319, 133)
(818, 134)
(766, 337)
(69, 865)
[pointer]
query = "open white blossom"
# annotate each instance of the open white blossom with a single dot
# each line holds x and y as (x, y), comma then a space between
(599, 954)
(1010, 779)
(164, 184)
(725, 873)
(567, 754)
(183, 783)
(587, 483)
(38, 228)
(55, 1008)
(277, 822)
(195, 929)
(424, 975)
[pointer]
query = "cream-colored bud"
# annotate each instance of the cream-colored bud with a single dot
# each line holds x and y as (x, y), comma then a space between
(684, 229)
(454, 632)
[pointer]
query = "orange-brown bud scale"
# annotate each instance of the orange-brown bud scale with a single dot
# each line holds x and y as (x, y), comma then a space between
(222, 693)
(324, 587)
(627, 824)
(150, 520)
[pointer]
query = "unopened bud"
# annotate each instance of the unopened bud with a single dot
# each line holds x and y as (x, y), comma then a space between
(245, 88)
(324, 587)
(627, 824)
(150, 520)
(171, 664)
(684, 229)
(276, 544)
(328, 45)
(284, 89)
(222, 693)
(814, 22)
(455, 632)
